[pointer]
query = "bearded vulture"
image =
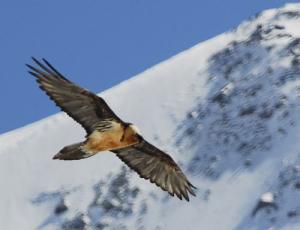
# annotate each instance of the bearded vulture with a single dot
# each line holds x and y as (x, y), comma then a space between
(107, 132)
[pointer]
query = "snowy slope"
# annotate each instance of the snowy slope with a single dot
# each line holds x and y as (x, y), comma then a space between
(226, 110)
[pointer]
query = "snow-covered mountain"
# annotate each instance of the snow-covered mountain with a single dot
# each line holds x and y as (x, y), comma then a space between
(227, 110)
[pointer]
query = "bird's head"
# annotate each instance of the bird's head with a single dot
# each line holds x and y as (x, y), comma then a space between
(132, 131)
(134, 128)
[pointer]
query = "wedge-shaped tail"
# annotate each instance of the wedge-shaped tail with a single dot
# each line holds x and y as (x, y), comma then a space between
(72, 152)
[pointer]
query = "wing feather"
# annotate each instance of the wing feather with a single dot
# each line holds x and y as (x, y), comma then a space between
(153, 164)
(83, 106)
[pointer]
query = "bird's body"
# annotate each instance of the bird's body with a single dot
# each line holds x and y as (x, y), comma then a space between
(107, 132)
(118, 136)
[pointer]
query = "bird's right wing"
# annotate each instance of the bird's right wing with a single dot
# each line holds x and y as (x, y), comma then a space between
(153, 164)
(83, 106)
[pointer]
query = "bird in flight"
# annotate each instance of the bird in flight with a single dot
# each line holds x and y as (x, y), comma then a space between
(107, 132)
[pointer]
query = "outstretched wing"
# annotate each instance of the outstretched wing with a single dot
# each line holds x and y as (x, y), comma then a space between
(151, 163)
(83, 106)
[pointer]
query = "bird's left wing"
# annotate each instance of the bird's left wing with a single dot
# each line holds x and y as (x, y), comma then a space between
(153, 164)
(83, 106)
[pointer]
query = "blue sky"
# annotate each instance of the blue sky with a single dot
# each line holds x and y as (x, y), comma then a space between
(99, 43)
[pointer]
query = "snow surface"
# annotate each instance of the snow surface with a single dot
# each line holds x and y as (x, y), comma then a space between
(226, 110)
(267, 197)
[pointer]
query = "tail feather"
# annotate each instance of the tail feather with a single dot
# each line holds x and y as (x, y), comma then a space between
(72, 152)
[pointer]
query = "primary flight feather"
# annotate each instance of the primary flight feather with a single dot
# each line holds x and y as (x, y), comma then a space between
(106, 131)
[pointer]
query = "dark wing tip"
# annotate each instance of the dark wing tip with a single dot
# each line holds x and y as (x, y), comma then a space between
(186, 198)
(191, 189)
(33, 74)
(44, 60)
(194, 187)
(54, 70)
(30, 67)
(34, 59)
(188, 190)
